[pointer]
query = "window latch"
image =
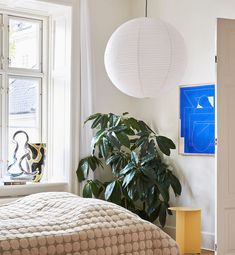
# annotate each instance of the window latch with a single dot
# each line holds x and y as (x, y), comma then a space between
(9, 61)
(2, 59)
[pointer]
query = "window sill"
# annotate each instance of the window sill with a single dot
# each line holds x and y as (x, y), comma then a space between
(27, 189)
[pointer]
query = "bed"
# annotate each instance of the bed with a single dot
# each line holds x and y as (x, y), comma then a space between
(54, 223)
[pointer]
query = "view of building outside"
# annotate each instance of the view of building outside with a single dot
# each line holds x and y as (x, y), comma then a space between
(24, 43)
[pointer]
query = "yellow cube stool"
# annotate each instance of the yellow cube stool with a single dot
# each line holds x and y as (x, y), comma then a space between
(188, 229)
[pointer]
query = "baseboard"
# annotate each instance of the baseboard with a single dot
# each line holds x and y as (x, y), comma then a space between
(208, 239)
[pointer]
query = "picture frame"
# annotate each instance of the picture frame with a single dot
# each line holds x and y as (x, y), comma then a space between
(197, 104)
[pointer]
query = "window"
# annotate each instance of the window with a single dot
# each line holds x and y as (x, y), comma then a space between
(35, 83)
(23, 80)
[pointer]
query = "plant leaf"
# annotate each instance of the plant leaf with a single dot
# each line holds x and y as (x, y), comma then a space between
(106, 147)
(92, 117)
(104, 121)
(96, 121)
(109, 190)
(116, 194)
(83, 167)
(118, 129)
(149, 172)
(128, 178)
(141, 140)
(154, 213)
(123, 139)
(164, 192)
(165, 144)
(112, 159)
(87, 192)
(113, 140)
(134, 157)
(114, 120)
(162, 214)
(127, 168)
(133, 123)
(144, 127)
(129, 132)
(143, 214)
(132, 192)
(168, 141)
(147, 158)
(99, 185)
(80, 175)
(175, 184)
(94, 188)
(98, 161)
(99, 135)
(101, 150)
(92, 163)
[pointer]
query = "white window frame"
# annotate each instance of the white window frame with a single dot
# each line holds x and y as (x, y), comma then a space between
(6, 72)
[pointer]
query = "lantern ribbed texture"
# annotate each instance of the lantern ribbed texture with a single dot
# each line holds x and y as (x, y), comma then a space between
(145, 56)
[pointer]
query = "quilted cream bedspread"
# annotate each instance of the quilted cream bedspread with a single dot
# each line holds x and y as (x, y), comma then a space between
(61, 223)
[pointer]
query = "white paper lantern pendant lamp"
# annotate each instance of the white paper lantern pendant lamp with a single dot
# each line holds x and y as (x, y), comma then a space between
(145, 57)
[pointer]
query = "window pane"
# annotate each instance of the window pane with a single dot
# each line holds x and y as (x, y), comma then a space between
(24, 111)
(24, 43)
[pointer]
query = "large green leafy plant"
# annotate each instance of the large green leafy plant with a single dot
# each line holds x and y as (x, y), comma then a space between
(141, 180)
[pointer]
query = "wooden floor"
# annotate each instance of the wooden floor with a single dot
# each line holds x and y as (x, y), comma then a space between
(204, 252)
(207, 252)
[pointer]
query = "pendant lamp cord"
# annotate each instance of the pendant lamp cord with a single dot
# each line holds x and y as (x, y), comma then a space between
(146, 8)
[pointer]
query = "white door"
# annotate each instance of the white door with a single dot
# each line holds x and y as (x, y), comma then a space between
(226, 137)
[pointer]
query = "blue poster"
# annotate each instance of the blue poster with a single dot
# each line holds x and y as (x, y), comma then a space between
(197, 119)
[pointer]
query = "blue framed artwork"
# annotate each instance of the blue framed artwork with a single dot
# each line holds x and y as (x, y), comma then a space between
(197, 119)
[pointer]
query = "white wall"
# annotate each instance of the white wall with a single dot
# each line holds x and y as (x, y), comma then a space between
(106, 16)
(196, 20)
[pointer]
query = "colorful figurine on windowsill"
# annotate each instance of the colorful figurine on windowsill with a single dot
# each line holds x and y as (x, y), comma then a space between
(36, 159)
(28, 161)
